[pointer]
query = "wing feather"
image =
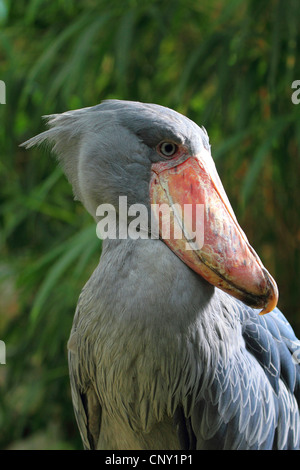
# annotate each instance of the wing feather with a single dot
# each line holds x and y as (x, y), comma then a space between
(252, 402)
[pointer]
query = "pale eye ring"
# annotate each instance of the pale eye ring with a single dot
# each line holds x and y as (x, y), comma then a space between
(168, 149)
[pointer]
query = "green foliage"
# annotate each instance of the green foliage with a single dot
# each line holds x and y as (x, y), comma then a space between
(228, 65)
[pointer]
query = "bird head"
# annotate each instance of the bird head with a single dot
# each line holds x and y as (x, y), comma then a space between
(158, 157)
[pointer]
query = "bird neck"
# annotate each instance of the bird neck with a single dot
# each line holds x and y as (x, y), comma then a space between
(162, 295)
(152, 320)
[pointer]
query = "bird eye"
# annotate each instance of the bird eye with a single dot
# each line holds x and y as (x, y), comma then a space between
(168, 148)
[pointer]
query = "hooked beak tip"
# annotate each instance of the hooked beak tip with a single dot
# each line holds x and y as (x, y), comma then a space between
(273, 294)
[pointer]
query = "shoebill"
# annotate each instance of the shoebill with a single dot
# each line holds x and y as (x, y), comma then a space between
(169, 348)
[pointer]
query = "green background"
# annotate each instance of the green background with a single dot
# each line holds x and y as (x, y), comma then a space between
(228, 65)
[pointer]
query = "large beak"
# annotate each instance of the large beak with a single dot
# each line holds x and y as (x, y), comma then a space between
(203, 230)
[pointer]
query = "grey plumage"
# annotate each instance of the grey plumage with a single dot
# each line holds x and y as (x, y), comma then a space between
(159, 358)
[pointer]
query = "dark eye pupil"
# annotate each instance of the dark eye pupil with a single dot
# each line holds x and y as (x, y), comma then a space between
(168, 148)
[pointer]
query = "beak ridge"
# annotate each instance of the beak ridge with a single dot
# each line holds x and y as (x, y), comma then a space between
(224, 257)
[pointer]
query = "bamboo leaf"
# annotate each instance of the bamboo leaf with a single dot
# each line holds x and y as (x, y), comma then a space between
(76, 246)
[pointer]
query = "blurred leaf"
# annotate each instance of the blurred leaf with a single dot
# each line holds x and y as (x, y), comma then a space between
(3, 12)
(74, 247)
